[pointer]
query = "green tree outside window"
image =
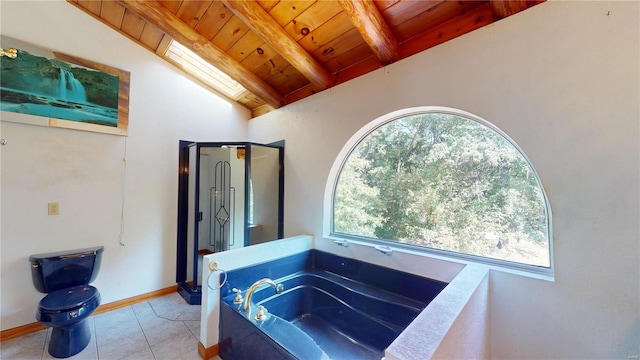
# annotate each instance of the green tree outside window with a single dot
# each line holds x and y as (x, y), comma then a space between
(447, 182)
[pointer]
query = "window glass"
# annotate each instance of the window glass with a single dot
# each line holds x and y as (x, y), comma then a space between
(443, 181)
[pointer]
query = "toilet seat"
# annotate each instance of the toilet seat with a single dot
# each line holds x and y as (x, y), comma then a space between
(68, 305)
(70, 298)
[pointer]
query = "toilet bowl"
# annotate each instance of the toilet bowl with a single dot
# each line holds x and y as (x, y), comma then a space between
(65, 277)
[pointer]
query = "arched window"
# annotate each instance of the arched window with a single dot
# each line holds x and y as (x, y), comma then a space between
(439, 179)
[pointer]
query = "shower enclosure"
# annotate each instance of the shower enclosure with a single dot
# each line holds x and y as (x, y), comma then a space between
(230, 195)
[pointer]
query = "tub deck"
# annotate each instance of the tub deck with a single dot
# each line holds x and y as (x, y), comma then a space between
(324, 314)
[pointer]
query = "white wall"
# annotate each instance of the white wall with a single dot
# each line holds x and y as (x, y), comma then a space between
(83, 171)
(562, 80)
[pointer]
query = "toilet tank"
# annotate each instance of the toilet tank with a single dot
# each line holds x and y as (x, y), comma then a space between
(65, 269)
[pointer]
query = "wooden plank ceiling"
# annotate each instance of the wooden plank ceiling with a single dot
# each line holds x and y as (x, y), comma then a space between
(282, 51)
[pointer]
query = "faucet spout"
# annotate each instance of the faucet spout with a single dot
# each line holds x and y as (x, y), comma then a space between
(247, 299)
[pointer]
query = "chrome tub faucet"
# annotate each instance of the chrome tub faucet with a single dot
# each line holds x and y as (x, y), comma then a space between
(247, 299)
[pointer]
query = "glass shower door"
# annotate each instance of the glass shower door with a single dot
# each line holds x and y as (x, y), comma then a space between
(230, 196)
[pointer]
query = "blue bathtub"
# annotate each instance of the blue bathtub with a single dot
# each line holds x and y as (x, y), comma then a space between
(331, 308)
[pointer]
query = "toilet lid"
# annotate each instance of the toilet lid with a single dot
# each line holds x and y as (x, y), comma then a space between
(76, 296)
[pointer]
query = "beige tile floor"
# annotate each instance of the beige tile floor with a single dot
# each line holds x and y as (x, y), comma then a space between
(161, 328)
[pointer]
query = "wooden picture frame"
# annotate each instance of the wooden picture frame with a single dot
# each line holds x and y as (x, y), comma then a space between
(21, 105)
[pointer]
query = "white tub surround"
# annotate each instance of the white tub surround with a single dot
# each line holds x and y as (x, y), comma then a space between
(458, 315)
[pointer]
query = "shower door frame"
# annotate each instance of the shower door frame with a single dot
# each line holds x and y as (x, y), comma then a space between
(191, 291)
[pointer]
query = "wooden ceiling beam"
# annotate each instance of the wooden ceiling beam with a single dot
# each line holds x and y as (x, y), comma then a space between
(260, 22)
(504, 8)
(367, 19)
(154, 13)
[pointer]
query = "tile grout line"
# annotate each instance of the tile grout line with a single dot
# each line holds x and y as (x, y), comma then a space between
(189, 328)
(142, 329)
(162, 317)
(44, 345)
(177, 319)
(95, 333)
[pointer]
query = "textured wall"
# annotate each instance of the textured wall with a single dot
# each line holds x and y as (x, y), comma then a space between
(561, 79)
(85, 172)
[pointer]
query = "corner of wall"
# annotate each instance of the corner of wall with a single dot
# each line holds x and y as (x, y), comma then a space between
(459, 315)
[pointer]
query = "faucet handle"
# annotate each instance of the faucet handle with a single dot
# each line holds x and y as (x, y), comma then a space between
(238, 299)
(261, 315)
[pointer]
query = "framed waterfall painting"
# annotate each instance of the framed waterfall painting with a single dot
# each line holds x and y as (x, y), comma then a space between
(39, 87)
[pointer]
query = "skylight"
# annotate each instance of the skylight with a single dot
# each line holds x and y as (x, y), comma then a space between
(197, 67)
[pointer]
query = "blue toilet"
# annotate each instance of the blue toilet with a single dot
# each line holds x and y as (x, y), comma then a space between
(65, 277)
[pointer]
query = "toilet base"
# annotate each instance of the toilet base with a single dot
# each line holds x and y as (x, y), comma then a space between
(69, 340)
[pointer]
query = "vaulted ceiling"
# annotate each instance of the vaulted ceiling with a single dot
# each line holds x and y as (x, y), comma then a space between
(282, 51)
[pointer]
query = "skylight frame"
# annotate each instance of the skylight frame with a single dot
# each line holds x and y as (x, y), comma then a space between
(205, 72)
